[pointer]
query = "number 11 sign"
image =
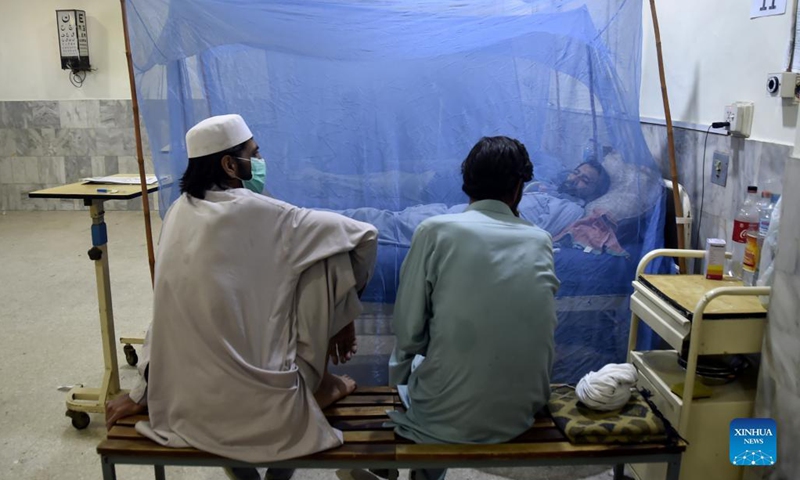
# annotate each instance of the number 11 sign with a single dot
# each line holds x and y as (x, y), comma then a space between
(766, 8)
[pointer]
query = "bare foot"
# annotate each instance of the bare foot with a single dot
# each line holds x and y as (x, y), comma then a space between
(334, 388)
(343, 345)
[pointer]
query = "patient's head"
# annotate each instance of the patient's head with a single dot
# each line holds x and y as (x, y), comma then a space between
(496, 169)
(588, 182)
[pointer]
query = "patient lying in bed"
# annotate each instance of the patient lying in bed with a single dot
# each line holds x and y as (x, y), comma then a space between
(556, 207)
(548, 206)
(584, 208)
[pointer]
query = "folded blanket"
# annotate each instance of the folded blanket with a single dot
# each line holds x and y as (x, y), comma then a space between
(636, 422)
(595, 233)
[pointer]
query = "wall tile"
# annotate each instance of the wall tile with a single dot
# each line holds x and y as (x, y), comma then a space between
(116, 205)
(73, 114)
(128, 164)
(717, 199)
(3, 198)
(709, 227)
(93, 113)
(17, 170)
(134, 205)
(115, 141)
(8, 142)
(44, 114)
(773, 164)
(688, 148)
(116, 114)
(65, 204)
(25, 170)
(45, 204)
(129, 142)
(109, 142)
(98, 166)
(111, 165)
(27, 203)
(14, 114)
(48, 142)
(79, 113)
(76, 168)
(32, 169)
(52, 170)
(145, 141)
(30, 142)
(9, 200)
(656, 138)
(748, 170)
(74, 141)
(6, 174)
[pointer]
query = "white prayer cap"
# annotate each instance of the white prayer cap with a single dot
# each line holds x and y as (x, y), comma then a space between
(216, 134)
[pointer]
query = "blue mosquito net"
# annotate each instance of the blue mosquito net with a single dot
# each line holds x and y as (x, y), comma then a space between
(369, 107)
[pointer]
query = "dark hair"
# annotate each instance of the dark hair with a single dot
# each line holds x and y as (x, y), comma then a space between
(494, 167)
(603, 182)
(205, 172)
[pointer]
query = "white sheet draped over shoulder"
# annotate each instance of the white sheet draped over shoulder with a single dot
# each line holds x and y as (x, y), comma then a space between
(224, 373)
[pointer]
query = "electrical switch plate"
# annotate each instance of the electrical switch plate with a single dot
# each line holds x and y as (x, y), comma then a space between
(719, 169)
(740, 117)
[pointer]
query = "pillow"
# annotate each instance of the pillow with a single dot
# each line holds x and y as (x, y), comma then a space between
(634, 190)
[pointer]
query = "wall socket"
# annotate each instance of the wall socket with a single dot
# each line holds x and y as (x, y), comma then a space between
(740, 117)
(719, 169)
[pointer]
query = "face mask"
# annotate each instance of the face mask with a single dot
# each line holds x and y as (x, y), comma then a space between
(258, 169)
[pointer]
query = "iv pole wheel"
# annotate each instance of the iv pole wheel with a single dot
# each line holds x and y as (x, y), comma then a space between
(80, 420)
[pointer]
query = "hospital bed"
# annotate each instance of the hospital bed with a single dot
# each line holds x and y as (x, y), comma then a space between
(592, 302)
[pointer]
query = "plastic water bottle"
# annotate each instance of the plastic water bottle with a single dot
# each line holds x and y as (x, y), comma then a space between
(766, 206)
(754, 247)
(746, 219)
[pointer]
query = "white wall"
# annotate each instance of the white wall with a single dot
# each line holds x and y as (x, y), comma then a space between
(715, 55)
(29, 55)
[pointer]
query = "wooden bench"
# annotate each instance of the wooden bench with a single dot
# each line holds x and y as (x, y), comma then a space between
(369, 443)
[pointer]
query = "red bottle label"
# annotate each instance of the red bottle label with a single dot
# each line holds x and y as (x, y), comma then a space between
(740, 230)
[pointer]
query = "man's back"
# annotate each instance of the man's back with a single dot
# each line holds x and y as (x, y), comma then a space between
(224, 373)
(477, 300)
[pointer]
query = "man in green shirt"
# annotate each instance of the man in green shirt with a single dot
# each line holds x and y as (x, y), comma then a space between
(477, 301)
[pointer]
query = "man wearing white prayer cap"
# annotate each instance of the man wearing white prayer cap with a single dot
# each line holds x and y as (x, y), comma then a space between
(251, 294)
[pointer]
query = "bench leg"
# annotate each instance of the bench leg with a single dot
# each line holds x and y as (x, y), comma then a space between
(674, 469)
(160, 474)
(109, 472)
(619, 471)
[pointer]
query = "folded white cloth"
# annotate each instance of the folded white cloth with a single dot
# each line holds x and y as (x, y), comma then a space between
(609, 388)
